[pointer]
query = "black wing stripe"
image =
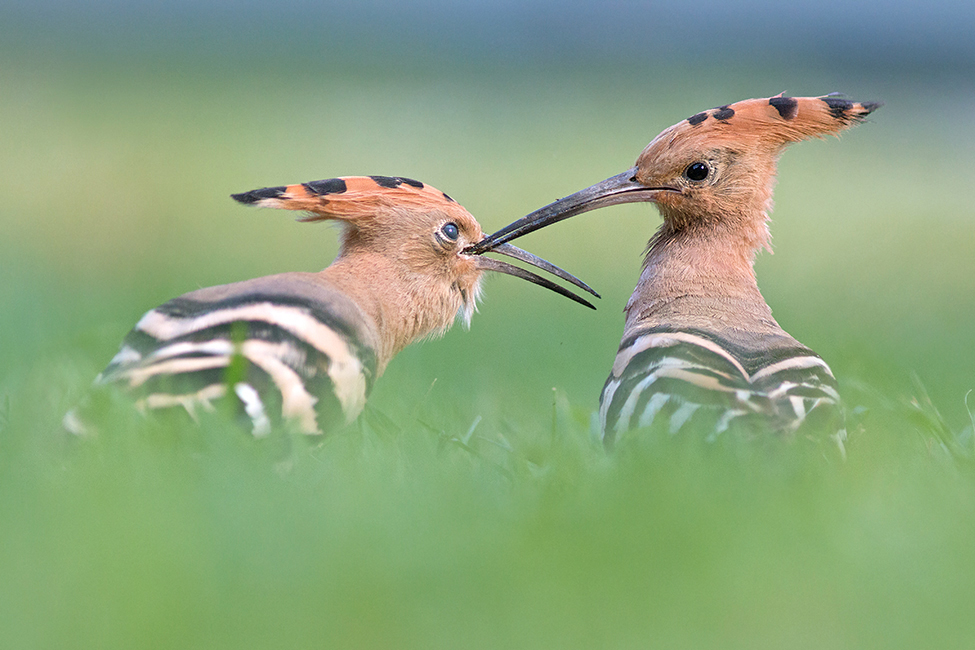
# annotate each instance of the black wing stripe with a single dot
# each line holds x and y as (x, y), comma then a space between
(184, 307)
(277, 355)
(680, 376)
(753, 360)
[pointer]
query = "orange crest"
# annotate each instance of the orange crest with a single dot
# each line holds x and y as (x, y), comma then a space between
(352, 198)
(767, 123)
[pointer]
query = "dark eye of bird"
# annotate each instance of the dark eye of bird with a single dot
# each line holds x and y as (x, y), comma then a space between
(449, 231)
(697, 171)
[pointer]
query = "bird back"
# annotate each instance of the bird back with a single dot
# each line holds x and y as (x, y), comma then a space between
(279, 347)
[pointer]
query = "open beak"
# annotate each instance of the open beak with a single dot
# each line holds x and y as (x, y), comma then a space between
(622, 188)
(489, 264)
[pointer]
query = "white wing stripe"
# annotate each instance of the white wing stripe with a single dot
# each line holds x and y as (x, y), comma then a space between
(254, 408)
(188, 401)
(654, 405)
(794, 363)
(296, 402)
(291, 319)
(682, 415)
(139, 376)
(669, 339)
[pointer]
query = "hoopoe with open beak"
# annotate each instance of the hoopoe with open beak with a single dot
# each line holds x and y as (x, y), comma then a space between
(307, 347)
(699, 341)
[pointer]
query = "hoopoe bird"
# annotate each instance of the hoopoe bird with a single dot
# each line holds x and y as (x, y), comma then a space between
(699, 341)
(306, 348)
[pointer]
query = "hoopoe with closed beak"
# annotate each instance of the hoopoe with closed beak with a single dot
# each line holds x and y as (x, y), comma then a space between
(307, 347)
(699, 341)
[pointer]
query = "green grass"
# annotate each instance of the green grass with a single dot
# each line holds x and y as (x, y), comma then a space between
(471, 506)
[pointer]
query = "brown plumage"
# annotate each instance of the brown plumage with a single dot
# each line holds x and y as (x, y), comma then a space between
(699, 337)
(307, 347)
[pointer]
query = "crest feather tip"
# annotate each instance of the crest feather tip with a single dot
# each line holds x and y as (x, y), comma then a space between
(258, 197)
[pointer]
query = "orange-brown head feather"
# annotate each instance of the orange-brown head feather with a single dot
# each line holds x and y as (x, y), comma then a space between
(717, 168)
(357, 200)
(400, 257)
(711, 175)
(767, 123)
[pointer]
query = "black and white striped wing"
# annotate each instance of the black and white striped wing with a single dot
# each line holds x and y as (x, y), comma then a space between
(672, 378)
(282, 350)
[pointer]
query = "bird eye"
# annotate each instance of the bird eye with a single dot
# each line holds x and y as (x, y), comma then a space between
(449, 230)
(447, 235)
(697, 171)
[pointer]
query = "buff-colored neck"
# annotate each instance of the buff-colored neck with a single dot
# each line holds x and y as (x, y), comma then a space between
(401, 306)
(701, 278)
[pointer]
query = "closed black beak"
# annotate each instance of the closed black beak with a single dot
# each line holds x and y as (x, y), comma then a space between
(622, 188)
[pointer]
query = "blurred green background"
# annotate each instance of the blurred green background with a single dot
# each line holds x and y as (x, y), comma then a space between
(472, 508)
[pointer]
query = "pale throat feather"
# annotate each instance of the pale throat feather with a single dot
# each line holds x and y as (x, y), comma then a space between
(400, 305)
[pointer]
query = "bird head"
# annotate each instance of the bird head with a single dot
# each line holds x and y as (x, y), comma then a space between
(713, 170)
(412, 231)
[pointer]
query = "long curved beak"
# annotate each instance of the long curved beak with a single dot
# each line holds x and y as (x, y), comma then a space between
(622, 188)
(489, 264)
(513, 251)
